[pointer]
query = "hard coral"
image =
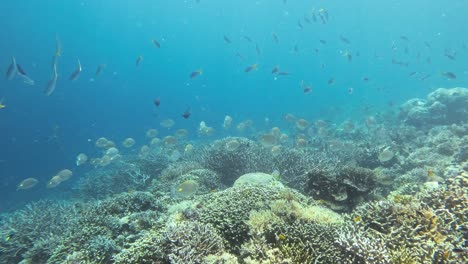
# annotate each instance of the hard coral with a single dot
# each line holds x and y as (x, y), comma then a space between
(249, 156)
(229, 210)
(429, 228)
(344, 186)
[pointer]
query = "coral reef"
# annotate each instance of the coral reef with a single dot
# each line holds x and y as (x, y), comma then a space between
(248, 157)
(121, 176)
(343, 186)
(443, 106)
(86, 232)
(391, 190)
(430, 226)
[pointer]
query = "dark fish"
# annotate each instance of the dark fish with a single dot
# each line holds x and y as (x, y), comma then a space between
(323, 41)
(412, 74)
(425, 77)
(248, 38)
(323, 14)
(350, 90)
(314, 16)
(257, 48)
(306, 88)
(99, 69)
(299, 24)
(239, 55)
(196, 73)
(331, 81)
(307, 20)
(450, 56)
(250, 68)
(449, 75)
(366, 79)
(186, 114)
(275, 70)
(75, 74)
(12, 69)
(316, 50)
(358, 53)
(227, 39)
(157, 101)
(401, 63)
(138, 60)
(20, 70)
(405, 38)
(344, 39)
(283, 73)
(348, 55)
(427, 44)
(156, 43)
(296, 48)
(275, 38)
(406, 50)
(50, 88)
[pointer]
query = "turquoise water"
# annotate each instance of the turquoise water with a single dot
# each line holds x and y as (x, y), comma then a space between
(40, 135)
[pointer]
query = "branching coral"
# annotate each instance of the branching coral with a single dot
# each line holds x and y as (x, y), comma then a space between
(247, 157)
(119, 177)
(430, 227)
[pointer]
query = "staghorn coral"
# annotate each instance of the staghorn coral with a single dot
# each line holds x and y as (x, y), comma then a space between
(146, 249)
(428, 227)
(50, 232)
(33, 232)
(247, 157)
(119, 177)
(191, 242)
(229, 210)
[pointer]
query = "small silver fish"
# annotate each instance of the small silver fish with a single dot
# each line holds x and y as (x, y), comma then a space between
(52, 83)
(12, 69)
(76, 73)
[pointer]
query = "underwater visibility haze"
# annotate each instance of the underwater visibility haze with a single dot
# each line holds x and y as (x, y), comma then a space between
(204, 131)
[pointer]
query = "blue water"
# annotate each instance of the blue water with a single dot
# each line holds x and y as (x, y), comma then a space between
(119, 102)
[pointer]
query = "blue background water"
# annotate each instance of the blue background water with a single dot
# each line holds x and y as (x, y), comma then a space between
(118, 104)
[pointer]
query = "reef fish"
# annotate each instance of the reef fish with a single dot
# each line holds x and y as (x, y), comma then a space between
(12, 69)
(27, 184)
(449, 75)
(52, 83)
(250, 68)
(227, 39)
(139, 60)
(156, 43)
(75, 74)
(196, 73)
(186, 114)
(157, 101)
(99, 69)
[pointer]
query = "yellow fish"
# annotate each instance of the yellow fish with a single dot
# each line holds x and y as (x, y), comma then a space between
(2, 105)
